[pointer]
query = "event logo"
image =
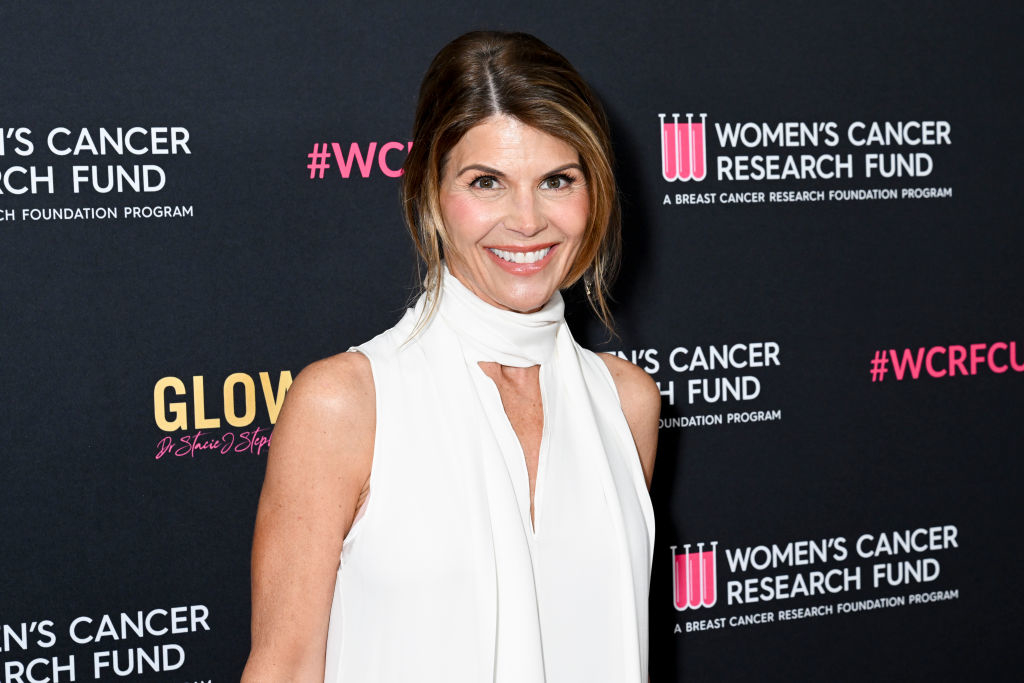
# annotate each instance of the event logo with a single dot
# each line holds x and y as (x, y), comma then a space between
(683, 149)
(115, 645)
(693, 577)
(774, 582)
(946, 361)
(890, 156)
(241, 408)
(325, 155)
(114, 164)
(723, 378)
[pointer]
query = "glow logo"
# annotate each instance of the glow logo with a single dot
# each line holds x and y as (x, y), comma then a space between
(683, 149)
(694, 577)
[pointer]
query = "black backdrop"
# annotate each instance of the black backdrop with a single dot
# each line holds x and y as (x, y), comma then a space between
(129, 483)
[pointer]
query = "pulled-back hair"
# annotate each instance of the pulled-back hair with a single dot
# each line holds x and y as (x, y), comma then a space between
(487, 73)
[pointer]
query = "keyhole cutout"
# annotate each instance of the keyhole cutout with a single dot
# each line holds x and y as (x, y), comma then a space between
(519, 389)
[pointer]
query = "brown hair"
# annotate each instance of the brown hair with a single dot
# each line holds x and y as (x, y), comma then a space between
(484, 73)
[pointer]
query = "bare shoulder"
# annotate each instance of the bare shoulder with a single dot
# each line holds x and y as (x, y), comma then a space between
(341, 386)
(641, 404)
(327, 424)
(330, 399)
(636, 388)
(324, 435)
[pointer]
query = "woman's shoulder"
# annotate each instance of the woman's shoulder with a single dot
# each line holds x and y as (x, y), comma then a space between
(641, 404)
(632, 382)
(339, 380)
(341, 383)
(637, 389)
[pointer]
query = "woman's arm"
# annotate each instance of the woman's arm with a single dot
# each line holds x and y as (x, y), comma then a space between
(641, 404)
(317, 474)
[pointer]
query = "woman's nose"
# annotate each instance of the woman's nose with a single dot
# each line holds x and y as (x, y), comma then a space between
(525, 214)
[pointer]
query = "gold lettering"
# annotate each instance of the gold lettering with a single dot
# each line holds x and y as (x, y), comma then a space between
(229, 399)
(274, 401)
(202, 422)
(161, 407)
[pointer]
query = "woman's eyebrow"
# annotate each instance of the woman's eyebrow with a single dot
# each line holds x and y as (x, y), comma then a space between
(495, 172)
(566, 167)
(481, 167)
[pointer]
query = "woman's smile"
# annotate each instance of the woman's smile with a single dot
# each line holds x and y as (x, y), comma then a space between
(522, 260)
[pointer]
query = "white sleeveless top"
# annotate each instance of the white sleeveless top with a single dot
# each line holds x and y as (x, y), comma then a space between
(442, 575)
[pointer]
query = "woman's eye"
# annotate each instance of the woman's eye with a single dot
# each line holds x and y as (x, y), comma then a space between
(556, 182)
(485, 182)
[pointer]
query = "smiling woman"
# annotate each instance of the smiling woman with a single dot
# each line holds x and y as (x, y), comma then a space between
(481, 76)
(482, 478)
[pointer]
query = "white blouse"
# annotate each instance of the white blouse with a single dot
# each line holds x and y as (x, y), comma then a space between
(443, 576)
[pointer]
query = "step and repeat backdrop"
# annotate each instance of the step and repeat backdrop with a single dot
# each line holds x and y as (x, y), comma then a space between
(822, 273)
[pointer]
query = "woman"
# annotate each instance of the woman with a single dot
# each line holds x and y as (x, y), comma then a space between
(482, 478)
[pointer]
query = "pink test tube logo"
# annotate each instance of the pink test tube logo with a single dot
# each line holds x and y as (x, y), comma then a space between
(694, 577)
(683, 151)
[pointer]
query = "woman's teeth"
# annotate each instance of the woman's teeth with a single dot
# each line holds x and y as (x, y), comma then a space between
(521, 256)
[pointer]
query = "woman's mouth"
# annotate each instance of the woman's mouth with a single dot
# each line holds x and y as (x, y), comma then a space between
(520, 256)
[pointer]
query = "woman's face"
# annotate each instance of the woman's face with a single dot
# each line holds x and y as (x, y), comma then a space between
(515, 205)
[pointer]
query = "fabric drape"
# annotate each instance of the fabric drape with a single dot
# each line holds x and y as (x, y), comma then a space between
(443, 576)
